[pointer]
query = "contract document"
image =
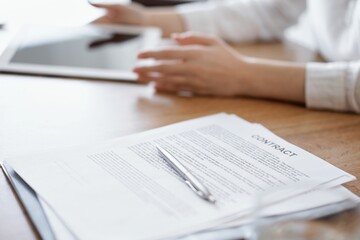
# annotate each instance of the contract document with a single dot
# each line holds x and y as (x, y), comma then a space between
(123, 189)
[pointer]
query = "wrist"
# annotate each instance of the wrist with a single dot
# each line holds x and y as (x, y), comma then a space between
(168, 21)
(244, 72)
(273, 79)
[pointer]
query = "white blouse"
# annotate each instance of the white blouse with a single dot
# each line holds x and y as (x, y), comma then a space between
(332, 27)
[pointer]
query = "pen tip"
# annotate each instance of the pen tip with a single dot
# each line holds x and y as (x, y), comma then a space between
(211, 199)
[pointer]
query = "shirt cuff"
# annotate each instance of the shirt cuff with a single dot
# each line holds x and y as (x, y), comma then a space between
(325, 86)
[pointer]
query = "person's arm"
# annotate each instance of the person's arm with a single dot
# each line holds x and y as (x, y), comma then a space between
(278, 80)
(208, 66)
(333, 86)
(242, 20)
(336, 27)
(232, 20)
(329, 86)
(165, 18)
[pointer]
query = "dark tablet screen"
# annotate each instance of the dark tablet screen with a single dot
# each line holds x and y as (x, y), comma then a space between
(88, 47)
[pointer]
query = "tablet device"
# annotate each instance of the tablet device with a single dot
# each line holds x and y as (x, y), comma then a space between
(92, 51)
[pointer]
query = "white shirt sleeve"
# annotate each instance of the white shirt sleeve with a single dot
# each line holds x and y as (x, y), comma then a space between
(242, 20)
(336, 28)
(333, 86)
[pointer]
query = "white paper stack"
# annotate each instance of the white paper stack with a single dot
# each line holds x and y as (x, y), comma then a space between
(123, 189)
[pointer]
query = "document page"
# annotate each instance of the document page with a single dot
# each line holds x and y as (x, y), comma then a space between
(313, 204)
(123, 189)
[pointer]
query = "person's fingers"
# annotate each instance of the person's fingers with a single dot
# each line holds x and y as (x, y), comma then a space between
(170, 54)
(164, 68)
(165, 87)
(171, 87)
(172, 79)
(182, 89)
(171, 83)
(146, 78)
(195, 38)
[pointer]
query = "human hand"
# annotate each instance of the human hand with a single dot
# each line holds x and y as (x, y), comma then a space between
(202, 64)
(134, 14)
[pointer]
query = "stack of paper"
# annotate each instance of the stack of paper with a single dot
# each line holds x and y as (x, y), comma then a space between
(123, 189)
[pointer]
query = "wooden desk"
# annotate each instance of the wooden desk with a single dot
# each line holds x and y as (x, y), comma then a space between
(38, 114)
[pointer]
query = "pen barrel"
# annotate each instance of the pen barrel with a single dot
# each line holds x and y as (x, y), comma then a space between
(188, 177)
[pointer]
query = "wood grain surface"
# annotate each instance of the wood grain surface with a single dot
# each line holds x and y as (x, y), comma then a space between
(40, 114)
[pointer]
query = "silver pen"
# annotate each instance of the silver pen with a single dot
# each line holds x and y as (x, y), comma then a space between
(189, 178)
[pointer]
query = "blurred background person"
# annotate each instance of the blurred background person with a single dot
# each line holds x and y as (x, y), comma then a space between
(206, 65)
